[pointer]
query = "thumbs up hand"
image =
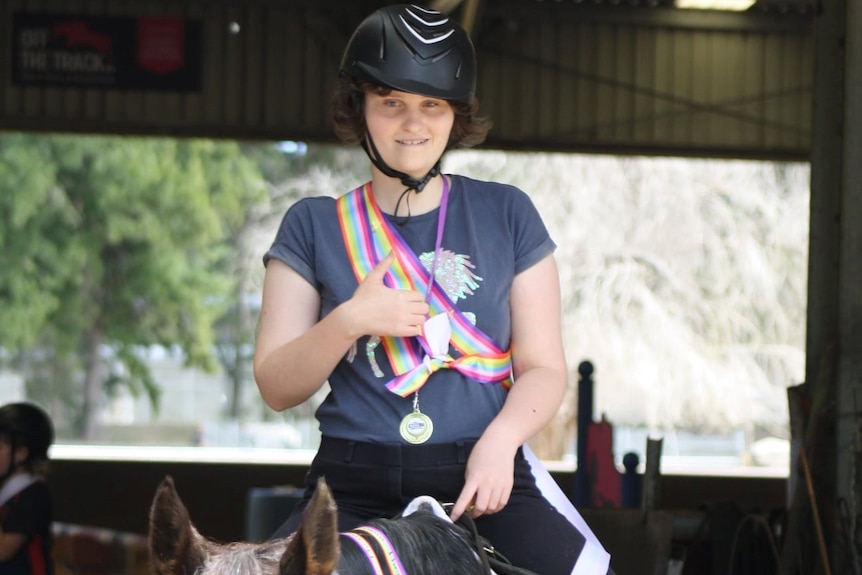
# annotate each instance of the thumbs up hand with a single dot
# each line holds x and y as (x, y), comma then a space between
(384, 311)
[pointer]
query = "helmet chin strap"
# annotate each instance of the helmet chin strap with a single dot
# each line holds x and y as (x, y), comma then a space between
(409, 181)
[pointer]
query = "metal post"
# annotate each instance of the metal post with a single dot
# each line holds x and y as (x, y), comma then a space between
(835, 269)
(652, 475)
(585, 418)
(847, 447)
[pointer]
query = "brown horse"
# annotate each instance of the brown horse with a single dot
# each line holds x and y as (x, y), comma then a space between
(422, 541)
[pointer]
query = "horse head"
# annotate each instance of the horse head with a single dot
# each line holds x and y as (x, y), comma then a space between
(422, 541)
(176, 547)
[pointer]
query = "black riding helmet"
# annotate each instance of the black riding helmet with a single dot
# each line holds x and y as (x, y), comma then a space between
(412, 49)
(28, 425)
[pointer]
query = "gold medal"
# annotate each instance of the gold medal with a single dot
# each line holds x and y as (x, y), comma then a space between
(416, 427)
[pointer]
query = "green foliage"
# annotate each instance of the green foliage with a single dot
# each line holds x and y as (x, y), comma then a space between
(113, 243)
(34, 263)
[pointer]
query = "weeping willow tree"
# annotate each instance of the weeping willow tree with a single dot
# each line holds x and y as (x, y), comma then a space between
(683, 282)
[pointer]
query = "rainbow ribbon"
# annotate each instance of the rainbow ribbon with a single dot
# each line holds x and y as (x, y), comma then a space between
(368, 237)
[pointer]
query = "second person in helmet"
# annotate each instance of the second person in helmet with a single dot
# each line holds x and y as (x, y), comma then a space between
(429, 302)
(26, 433)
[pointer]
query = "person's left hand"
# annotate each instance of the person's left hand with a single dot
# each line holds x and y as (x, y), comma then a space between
(488, 479)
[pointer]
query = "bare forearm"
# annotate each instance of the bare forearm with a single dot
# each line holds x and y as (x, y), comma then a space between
(530, 405)
(296, 353)
(538, 357)
(293, 372)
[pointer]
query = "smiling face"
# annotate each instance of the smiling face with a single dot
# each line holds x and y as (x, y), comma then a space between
(410, 131)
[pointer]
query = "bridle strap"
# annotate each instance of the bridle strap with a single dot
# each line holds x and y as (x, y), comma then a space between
(492, 560)
(390, 555)
(367, 550)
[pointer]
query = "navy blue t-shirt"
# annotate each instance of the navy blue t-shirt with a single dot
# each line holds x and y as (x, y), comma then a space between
(492, 232)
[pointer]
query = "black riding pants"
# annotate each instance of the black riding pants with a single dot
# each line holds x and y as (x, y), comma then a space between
(370, 481)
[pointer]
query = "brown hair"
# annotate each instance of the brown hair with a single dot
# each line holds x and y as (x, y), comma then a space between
(348, 114)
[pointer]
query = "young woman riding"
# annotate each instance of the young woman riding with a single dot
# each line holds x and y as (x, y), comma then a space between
(430, 303)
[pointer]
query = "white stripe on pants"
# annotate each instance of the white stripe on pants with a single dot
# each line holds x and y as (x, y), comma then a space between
(593, 560)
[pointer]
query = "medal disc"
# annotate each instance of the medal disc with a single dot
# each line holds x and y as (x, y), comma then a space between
(416, 427)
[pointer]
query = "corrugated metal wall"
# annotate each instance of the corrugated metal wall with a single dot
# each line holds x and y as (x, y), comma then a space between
(553, 75)
(660, 81)
(262, 75)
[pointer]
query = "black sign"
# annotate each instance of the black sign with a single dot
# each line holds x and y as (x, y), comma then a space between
(135, 53)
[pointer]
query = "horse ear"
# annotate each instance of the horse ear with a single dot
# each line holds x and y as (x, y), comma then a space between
(176, 548)
(314, 547)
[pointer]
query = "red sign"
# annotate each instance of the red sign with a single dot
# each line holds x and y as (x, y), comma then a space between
(161, 44)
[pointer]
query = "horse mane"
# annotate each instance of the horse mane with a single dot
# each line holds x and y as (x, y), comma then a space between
(427, 545)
